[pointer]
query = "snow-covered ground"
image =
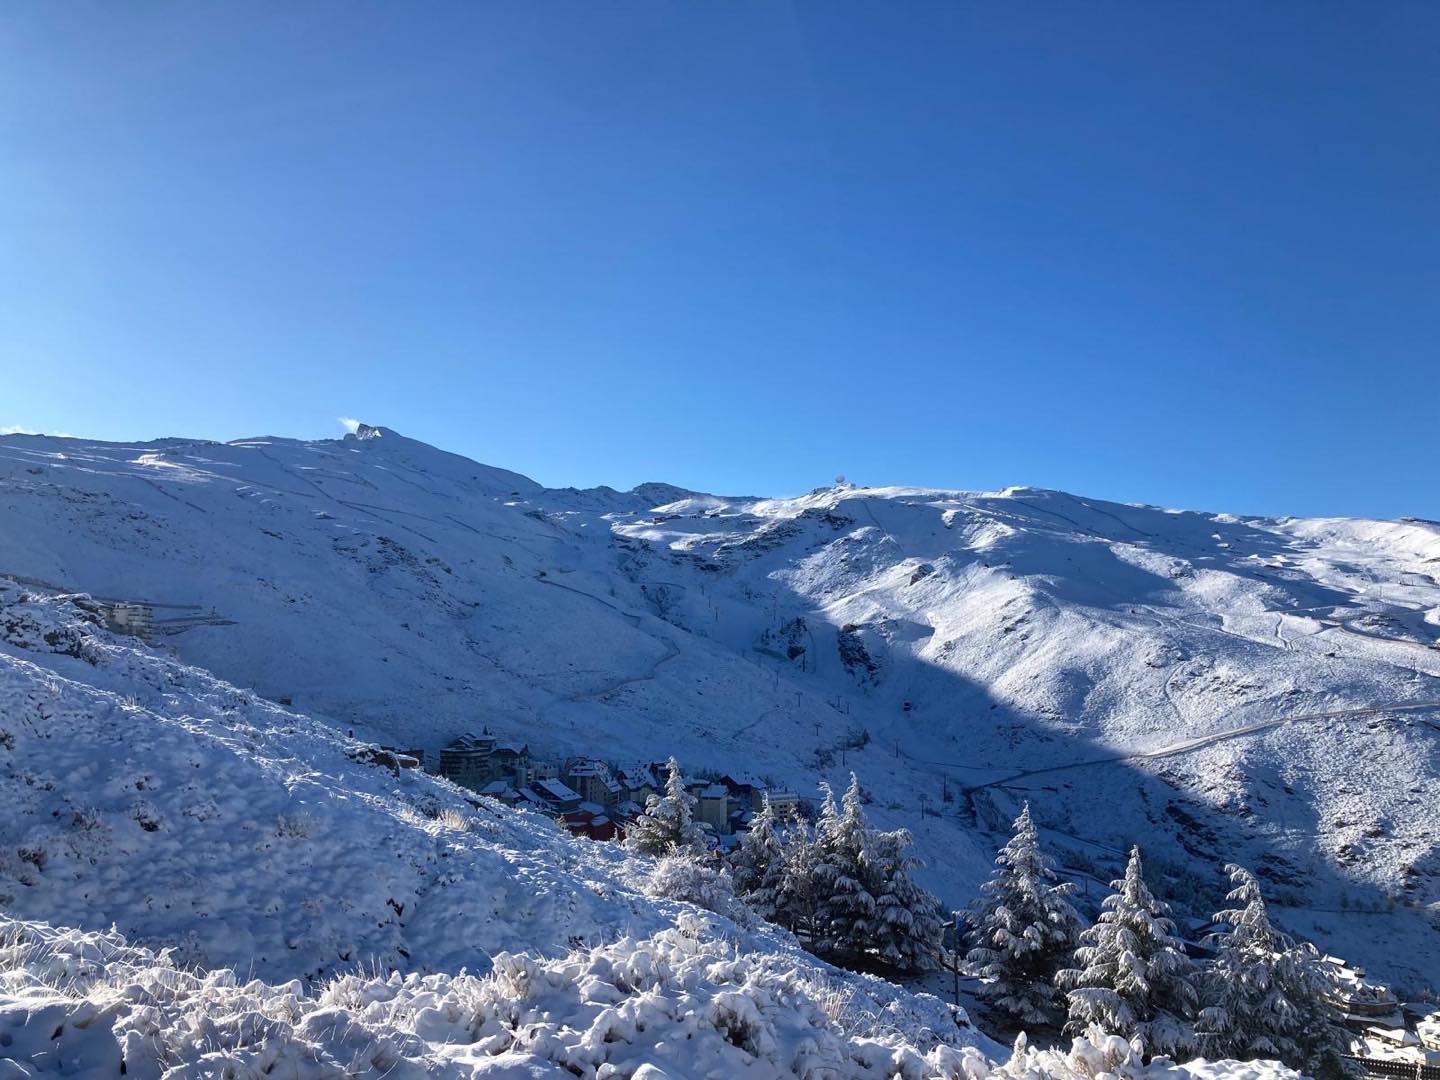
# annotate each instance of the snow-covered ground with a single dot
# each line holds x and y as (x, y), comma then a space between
(1218, 688)
(321, 913)
(671, 1007)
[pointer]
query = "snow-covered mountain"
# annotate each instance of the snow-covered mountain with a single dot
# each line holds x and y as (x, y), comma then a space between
(1217, 688)
(323, 915)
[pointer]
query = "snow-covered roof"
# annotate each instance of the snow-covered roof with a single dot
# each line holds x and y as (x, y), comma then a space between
(588, 767)
(638, 776)
(472, 743)
(1395, 1036)
(742, 780)
(715, 791)
(554, 789)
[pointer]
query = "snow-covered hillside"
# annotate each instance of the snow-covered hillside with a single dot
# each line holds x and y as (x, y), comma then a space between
(319, 911)
(1266, 691)
(197, 817)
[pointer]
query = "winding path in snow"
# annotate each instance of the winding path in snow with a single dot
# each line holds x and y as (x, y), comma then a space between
(1201, 741)
(1347, 627)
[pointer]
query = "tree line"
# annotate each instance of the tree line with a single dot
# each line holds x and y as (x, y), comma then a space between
(1263, 994)
(845, 889)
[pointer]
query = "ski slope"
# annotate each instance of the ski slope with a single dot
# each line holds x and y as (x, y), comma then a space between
(983, 645)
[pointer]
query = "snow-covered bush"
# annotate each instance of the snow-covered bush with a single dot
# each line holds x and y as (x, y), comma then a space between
(455, 819)
(293, 826)
(679, 1002)
(683, 877)
(1098, 1056)
(57, 624)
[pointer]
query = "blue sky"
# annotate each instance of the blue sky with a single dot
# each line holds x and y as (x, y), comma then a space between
(1175, 253)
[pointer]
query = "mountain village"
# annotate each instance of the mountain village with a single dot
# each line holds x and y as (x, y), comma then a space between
(590, 797)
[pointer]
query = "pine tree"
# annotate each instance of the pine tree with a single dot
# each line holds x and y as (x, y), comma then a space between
(668, 825)
(907, 926)
(1133, 976)
(757, 860)
(829, 818)
(847, 907)
(1267, 995)
(794, 883)
(1024, 929)
(869, 905)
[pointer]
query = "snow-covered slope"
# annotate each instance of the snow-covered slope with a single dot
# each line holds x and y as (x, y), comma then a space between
(195, 816)
(1215, 687)
(319, 912)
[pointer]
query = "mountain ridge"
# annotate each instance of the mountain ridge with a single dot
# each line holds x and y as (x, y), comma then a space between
(411, 594)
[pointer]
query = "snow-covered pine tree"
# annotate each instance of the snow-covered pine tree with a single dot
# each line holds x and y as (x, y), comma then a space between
(1023, 930)
(793, 884)
(845, 919)
(756, 861)
(907, 926)
(829, 818)
(1132, 976)
(668, 825)
(1267, 995)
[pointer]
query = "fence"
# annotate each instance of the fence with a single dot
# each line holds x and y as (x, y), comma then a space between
(1396, 1070)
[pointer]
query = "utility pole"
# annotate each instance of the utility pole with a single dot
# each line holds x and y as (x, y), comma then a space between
(954, 924)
